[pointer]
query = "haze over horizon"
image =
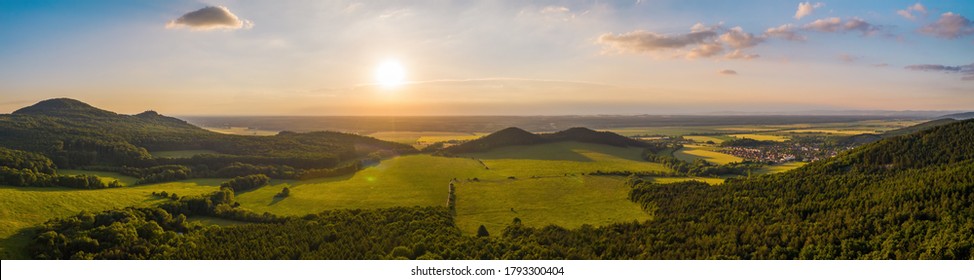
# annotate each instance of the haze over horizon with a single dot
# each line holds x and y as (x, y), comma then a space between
(347, 58)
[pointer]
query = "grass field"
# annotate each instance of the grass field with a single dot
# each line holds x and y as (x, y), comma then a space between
(761, 137)
(402, 181)
(831, 131)
(24, 207)
(181, 154)
(778, 168)
(420, 139)
(690, 153)
(212, 221)
(565, 201)
(703, 139)
(106, 177)
(557, 159)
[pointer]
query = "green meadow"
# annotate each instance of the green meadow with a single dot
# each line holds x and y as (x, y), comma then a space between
(24, 207)
(558, 159)
(569, 202)
(778, 168)
(401, 181)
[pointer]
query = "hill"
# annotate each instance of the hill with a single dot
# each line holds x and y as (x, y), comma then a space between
(870, 137)
(959, 116)
(513, 136)
(905, 197)
(74, 134)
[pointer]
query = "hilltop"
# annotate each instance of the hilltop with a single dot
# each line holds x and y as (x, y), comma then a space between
(513, 136)
(75, 134)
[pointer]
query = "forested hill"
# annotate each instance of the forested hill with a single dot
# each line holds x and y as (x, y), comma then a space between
(960, 116)
(905, 197)
(74, 134)
(515, 136)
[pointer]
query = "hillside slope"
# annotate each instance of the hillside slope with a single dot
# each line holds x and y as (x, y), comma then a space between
(906, 197)
(513, 136)
(75, 134)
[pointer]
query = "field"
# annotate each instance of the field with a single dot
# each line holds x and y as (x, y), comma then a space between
(778, 168)
(761, 137)
(23, 207)
(703, 139)
(565, 201)
(106, 177)
(546, 194)
(181, 154)
(559, 159)
(691, 153)
(402, 181)
(421, 139)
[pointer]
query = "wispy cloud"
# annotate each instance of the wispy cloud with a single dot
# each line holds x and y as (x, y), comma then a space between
(949, 26)
(210, 18)
(806, 8)
(908, 12)
(787, 32)
(727, 72)
(835, 24)
(966, 70)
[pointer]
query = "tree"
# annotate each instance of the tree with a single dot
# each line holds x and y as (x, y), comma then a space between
(482, 231)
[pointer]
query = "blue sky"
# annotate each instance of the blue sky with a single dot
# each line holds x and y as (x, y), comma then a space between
(488, 57)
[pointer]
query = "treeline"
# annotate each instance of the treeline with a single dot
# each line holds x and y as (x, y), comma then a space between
(21, 169)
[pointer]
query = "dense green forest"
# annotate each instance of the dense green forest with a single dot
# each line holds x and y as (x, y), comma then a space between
(905, 197)
(71, 134)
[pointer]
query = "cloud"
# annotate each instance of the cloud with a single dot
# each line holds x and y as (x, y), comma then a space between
(806, 8)
(848, 58)
(966, 70)
(786, 32)
(560, 13)
(727, 72)
(738, 39)
(949, 26)
(908, 12)
(210, 18)
(835, 24)
(738, 54)
(702, 41)
(645, 41)
(706, 50)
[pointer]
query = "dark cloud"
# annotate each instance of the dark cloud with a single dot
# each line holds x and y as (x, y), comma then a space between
(949, 26)
(966, 70)
(209, 18)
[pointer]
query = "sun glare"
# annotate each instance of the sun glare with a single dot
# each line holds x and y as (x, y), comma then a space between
(390, 74)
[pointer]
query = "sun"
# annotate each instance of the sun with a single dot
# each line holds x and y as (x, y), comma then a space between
(390, 73)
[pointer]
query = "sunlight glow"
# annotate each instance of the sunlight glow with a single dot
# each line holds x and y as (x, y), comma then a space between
(390, 74)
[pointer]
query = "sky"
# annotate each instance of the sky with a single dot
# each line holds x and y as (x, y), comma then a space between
(488, 57)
